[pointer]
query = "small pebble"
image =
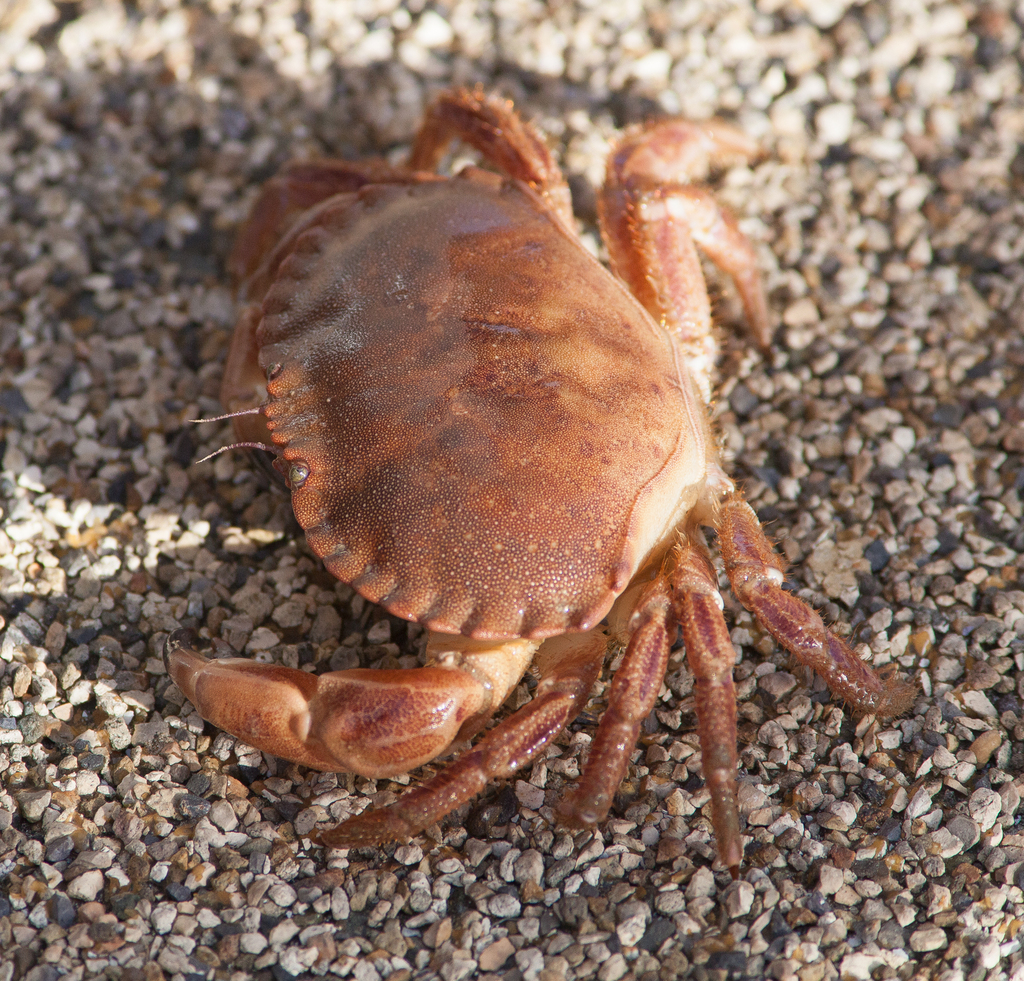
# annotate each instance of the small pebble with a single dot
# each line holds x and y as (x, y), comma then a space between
(86, 886)
(494, 955)
(928, 938)
(984, 806)
(985, 745)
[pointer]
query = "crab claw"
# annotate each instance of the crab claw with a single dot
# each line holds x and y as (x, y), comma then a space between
(376, 723)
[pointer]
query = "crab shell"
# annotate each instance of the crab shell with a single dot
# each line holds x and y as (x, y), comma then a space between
(484, 431)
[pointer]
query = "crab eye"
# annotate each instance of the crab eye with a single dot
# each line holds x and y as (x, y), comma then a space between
(273, 370)
(297, 474)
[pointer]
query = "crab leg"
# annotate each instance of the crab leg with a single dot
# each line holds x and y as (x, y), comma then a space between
(756, 572)
(652, 217)
(711, 656)
(632, 695)
(492, 127)
(569, 666)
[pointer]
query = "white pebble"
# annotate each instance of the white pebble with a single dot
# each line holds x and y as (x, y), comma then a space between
(984, 806)
(834, 123)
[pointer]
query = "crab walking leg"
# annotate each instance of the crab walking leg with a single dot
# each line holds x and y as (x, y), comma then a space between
(493, 127)
(711, 656)
(631, 696)
(756, 573)
(652, 217)
(693, 211)
(569, 666)
(373, 722)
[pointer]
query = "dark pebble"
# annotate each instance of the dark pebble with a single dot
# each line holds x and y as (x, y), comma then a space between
(103, 931)
(817, 903)
(890, 936)
(778, 927)
(33, 728)
(268, 922)
(767, 475)
(870, 868)
(5, 906)
(948, 415)
(199, 784)
(731, 961)
(573, 910)
(43, 972)
(234, 122)
(948, 543)
(83, 634)
(117, 491)
(12, 404)
(742, 400)
(288, 809)
(151, 233)
(965, 829)
(191, 807)
(24, 958)
(178, 891)
(59, 849)
(492, 814)
(878, 555)
(559, 871)
(1008, 703)
(163, 849)
(657, 933)
(548, 922)
(124, 903)
(92, 761)
(124, 279)
(183, 447)
(982, 369)
(248, 773)
(62, 910)
(891, 829)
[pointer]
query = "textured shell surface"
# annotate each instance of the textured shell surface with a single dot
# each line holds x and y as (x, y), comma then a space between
(490, 433)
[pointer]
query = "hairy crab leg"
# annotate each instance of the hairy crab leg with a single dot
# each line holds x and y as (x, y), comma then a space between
(711, 657)
(569, 666)
(756, 572)
(652, 217)
(631, 696)
(493, 127)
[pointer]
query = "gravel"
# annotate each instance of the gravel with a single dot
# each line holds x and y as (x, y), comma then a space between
(882, 442)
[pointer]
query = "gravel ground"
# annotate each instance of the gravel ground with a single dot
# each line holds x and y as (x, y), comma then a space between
(882, 443)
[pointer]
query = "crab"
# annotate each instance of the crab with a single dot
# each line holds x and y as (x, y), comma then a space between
(489, 434)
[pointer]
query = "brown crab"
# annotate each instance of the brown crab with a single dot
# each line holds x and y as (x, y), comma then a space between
(489, 434)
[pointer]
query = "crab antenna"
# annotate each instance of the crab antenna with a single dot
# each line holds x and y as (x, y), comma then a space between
(234, 446)
(230, 415)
